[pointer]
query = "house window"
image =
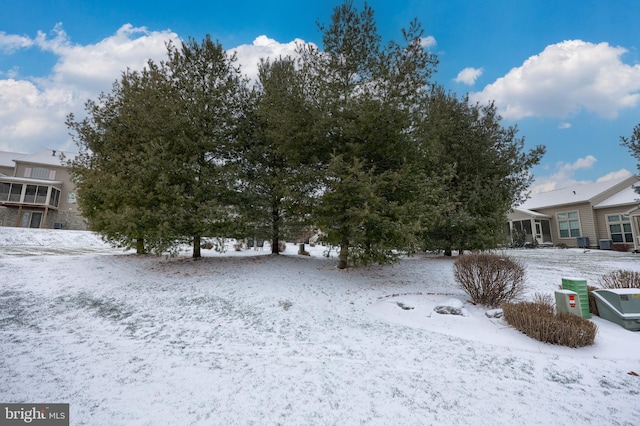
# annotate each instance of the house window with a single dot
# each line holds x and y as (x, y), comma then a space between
(4, 191)
(41, 194)
(620, 228)
(569, 224)
(40, 173)
(16, 192)
(55, 197)
(30, 194)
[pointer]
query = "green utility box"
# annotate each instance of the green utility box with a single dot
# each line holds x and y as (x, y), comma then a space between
(619, 305)
(579, 285)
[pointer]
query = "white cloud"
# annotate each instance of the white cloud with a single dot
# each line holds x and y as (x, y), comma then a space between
(563, 80)
(32, 118)
(468, 76)
(249, 55)
(33, 110)
(564, 125)
(95, 67)
(428, 42)
(563, 175)
(580, 163)
(11, 42)
(622, 173)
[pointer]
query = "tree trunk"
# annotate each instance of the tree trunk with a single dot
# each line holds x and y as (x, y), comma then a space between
(275, 227)
(140, 246)
(196, 247)
(447, 252)
(344, 255)
(301, 250)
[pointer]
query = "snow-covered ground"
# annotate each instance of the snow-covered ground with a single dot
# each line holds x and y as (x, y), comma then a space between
(247, 338)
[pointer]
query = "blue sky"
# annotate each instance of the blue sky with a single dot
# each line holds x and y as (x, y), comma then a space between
(566, 72)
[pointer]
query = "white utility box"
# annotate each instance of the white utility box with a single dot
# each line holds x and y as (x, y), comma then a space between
(568, 301)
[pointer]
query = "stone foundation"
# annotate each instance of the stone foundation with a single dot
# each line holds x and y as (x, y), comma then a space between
(55, 219)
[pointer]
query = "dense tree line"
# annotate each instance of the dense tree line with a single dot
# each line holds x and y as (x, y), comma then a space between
(356, 140)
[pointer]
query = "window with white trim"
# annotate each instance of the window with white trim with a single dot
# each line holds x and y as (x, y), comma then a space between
(620, 228)
(568, 224)
(5, 190)
(39, 173)
(29, 194)
(16, 192)
(54, 199)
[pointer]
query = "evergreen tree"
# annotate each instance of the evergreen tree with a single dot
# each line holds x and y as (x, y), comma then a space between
(116, 170)
(355, 140)
(277, 176)
(489, 172)
(208, 91)
(366, 97)
(156, 164)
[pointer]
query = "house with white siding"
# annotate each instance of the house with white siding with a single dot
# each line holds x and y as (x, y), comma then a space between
(604, 215)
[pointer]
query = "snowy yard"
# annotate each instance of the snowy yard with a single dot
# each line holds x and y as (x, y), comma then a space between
(247, 338)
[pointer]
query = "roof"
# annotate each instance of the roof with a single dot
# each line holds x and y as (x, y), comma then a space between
(7, 158)
(519, 212)
(581, 194)
(49, 157)
(30, 180)
(623, 198)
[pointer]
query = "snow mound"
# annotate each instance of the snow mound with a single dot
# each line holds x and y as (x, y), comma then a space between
(450, 307)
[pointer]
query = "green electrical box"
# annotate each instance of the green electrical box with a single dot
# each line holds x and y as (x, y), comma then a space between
(579, 285)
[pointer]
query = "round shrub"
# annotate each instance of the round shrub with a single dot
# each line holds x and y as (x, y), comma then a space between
(490, 279)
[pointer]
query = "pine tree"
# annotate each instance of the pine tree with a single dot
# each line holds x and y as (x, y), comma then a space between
(488, 172)
(208, 91)
(116, 170)
(366, 98)
(278, 175)
(157, 162)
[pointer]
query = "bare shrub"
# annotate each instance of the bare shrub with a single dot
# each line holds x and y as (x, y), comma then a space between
(538, 321)
(490, 279)
(544, 299)
(622, 247)
(593, 305)
(620, 279)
